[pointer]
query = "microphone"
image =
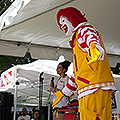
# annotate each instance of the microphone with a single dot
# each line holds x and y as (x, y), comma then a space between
(41, 77)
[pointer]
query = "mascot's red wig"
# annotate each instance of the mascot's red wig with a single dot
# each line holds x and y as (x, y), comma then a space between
(72, 14)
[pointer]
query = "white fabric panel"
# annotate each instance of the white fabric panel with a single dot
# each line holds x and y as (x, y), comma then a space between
(52, 53)
(12, 49)
(8, 16)
(37, 51)
(36, 23)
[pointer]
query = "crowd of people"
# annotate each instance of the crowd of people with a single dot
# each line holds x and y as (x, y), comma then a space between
(23, 115)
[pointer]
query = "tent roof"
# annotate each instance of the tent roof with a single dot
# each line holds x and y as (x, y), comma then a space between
(28, 77)
(35, 26)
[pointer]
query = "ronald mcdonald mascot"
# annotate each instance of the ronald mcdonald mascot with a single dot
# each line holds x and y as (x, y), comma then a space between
(92, 75)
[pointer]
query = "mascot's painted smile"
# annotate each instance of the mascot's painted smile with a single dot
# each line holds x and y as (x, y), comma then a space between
(65, 28)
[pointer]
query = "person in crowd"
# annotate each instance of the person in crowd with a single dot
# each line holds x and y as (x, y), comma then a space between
(92, 74)
(24, 115)
(36, 114)
(59, 85)
(118, 116)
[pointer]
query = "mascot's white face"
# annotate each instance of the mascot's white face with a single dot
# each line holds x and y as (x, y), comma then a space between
(66, 26)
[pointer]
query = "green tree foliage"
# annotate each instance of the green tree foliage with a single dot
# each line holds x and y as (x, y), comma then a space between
(7, 62)
(116, 70)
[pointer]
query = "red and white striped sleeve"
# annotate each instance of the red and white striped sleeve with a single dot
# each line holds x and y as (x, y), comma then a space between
(70, 87)
(87, 34)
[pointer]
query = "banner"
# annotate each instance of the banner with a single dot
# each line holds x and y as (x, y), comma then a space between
(8, 78)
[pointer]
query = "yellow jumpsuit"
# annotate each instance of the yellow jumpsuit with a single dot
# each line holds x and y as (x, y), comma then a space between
(88, 77)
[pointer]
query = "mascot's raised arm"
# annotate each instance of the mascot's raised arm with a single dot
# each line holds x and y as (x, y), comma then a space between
(92, 75)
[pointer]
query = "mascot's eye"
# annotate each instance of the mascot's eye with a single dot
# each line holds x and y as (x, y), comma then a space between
(62, 20)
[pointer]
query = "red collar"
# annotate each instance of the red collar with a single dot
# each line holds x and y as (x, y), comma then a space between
(64, 75)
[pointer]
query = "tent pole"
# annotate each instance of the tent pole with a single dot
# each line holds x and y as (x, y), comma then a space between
(15, 93)
(15, 99)
(49, 105)
(52, 85)
(48, 110)
(40, 93)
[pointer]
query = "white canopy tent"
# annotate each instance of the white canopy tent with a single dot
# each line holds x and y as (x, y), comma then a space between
(28, 77)
(34, 27)
(28, 92)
